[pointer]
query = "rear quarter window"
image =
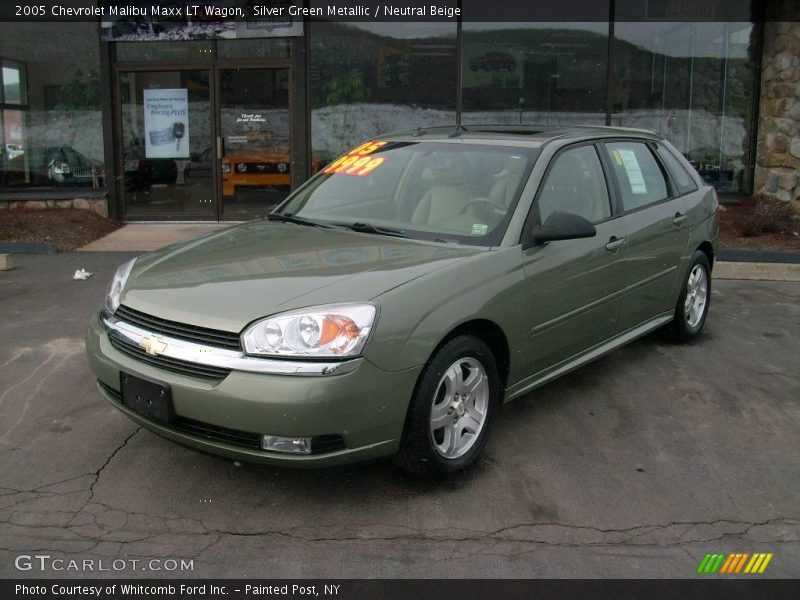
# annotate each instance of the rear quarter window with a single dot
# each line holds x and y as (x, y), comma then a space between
(683, 181)
(639, 177)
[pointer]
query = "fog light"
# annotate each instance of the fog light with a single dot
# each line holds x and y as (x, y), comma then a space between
(292, 445)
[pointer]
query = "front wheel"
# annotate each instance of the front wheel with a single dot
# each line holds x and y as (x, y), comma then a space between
(451, 410)
(694, 300)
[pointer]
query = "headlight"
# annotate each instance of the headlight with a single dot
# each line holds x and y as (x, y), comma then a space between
(332, 331)
(61, 168)
(117, 285)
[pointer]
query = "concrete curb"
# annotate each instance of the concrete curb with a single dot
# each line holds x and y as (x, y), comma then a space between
(757, 271)
(758, 256)
(27, 248)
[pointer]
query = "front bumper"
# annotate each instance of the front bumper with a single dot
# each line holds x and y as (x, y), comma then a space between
(366, 406)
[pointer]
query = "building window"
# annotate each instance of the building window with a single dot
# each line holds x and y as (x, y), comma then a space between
(541, 74)
(693, 83)
(371, 78)
(50, 123)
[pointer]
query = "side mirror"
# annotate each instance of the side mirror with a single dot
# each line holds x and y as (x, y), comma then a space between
(563, 226)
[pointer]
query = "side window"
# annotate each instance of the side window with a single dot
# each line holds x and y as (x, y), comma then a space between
(576, 184)
(640, 179)
(680, 175)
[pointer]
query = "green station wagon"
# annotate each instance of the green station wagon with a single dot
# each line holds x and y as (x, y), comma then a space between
(394, 301)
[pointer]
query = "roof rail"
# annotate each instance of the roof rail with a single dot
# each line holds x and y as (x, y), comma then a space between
(557, 132)
(620, 128)
(456, 130)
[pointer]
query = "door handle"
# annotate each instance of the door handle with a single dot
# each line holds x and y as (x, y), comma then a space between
(219, 147)
(615, 243)
(679, 218)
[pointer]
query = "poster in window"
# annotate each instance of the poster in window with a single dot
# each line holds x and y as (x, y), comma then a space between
(166, 123)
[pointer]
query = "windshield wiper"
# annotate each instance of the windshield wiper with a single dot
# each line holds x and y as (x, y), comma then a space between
(290, 218)
(370, 228)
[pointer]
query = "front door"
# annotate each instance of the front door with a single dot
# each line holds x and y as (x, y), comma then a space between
(212, 143)
(574, 287)
(254, 141)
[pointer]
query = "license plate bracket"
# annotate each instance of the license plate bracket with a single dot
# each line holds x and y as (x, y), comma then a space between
(147, 397)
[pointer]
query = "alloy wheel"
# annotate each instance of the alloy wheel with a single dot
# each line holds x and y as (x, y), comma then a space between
(459, 409)
(696, 296)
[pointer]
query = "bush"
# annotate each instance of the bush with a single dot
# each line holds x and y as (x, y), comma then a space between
(763, 214)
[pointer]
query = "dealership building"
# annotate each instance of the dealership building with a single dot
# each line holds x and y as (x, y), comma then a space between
(190, 119)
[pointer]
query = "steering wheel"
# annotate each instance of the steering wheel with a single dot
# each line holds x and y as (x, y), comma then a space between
(485, 201)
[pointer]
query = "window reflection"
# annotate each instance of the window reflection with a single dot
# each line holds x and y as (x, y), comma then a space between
(50, 119)
(372, 78)
(543, 74)
(693, 83)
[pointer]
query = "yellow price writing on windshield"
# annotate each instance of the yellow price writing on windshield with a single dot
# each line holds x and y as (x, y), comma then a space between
(358, 161)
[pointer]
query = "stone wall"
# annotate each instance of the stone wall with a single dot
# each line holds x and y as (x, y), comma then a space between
(778, 152)
(98, 205)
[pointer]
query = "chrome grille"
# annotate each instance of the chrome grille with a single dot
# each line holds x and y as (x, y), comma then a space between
(164, 362)
(181, 331)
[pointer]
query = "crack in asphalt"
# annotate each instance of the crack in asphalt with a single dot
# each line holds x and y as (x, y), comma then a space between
(478, 535)
(89, 533)
(108, 461)
(85, 530)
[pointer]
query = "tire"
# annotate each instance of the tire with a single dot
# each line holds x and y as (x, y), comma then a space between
(689, 316)
(460, 387)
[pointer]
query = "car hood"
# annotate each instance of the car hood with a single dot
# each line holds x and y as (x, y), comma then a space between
(226, 279)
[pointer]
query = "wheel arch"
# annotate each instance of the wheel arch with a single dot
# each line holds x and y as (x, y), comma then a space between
(489, 333)
(707, 249)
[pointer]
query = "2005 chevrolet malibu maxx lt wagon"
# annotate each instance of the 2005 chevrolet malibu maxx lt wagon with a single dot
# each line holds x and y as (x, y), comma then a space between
(394, 301)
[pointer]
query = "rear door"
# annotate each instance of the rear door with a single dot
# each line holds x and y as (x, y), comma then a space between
(655, 223)
(573, 287)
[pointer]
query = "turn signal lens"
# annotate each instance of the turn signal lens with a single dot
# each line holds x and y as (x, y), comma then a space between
(334, 331)
(112, 300)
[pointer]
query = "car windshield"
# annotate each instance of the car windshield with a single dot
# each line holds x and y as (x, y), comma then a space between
(447, 191)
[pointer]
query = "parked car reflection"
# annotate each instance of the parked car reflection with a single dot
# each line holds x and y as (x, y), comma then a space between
(53, 165)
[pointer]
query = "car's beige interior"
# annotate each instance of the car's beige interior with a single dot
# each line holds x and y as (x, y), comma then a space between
(457, 202)
(449, 194)
(507, 181)
(463, 192)
(576, 185)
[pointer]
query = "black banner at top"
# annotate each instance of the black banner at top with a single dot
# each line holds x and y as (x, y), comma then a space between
(278, 11)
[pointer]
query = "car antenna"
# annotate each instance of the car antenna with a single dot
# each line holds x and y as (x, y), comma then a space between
(457, 131)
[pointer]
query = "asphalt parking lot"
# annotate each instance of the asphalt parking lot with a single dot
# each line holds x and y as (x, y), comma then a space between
(635, 466)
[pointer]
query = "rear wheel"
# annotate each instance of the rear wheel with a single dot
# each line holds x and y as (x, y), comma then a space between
(694, 300)
(451, 410)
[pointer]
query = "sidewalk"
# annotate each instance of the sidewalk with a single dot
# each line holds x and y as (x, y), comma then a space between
(144, 237)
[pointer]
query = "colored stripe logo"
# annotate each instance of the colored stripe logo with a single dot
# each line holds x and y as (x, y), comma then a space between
(734, 563)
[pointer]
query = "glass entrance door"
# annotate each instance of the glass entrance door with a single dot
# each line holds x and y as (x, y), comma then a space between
(167, 144)
(255, 140)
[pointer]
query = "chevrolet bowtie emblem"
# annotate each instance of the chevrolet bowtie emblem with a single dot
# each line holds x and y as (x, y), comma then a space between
(152, 345)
